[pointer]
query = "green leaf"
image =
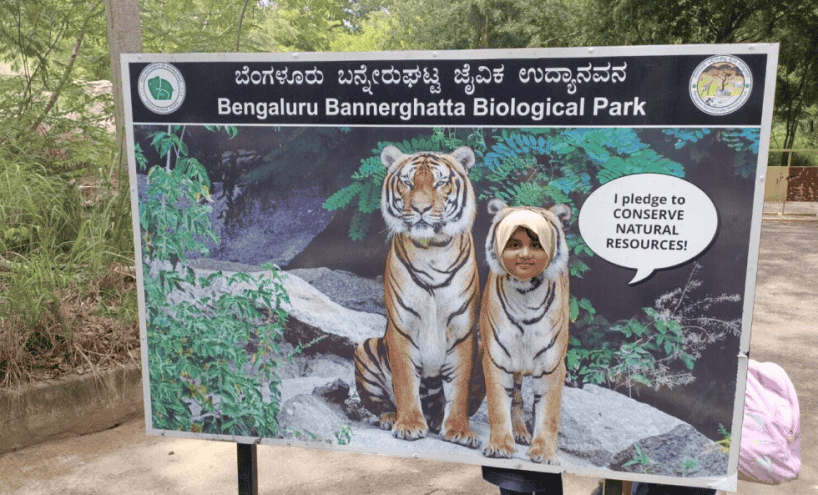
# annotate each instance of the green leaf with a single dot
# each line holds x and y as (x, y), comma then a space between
(641, 379)
(343, 197)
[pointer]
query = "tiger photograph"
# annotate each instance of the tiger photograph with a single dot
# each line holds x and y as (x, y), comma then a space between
(426, 291)
(428, 355)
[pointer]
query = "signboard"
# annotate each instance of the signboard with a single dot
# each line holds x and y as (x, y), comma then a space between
(330, 253)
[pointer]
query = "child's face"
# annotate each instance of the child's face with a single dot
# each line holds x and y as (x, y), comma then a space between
(523, 255)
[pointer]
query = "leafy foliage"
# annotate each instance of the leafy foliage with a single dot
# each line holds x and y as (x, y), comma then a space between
(204, 26)
(745, 144)
(216, 354)
(658, 349)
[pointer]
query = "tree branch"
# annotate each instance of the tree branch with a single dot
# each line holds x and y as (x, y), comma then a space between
(241, 21)
(69, 67)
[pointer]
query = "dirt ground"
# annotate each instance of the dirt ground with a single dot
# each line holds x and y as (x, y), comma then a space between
(125, 461)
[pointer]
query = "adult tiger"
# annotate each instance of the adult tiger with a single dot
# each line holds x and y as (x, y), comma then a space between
(524, 325)
(427, 361)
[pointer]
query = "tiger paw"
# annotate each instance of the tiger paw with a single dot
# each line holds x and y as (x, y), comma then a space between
(387, 420)
(409, 429)
(503, 448)
(521, 435)
(541, 454)
(466, 438)
(540, 460)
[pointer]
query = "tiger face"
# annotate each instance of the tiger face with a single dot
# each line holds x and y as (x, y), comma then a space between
(428, 195)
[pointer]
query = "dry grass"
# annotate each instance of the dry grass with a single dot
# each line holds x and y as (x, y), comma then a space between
(88, 329)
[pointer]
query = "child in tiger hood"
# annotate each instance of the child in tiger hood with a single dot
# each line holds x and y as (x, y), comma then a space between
(524, 326)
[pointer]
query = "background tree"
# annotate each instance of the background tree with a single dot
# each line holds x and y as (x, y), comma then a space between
(461, 24)
(796, 89)
(187, 26)
(793, 23)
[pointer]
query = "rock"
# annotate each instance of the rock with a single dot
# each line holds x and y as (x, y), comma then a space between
(313, 315)
(597, 423)
(274, 232)
(682, 451)
(315, 371)
(312, 418)
(345, 288)
(336, 392)
(598, 429)
(329, 366)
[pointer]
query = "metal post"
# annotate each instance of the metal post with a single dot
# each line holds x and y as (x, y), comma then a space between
(616, 487)
(514, 482)
(248, 468)
(787, 182)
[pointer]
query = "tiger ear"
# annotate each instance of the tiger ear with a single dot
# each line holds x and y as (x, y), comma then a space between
(563, 212)
(465, 156)
(390, 155)
(496, 205)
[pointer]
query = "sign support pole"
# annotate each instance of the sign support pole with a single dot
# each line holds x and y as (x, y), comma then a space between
(248, 468)
(616, 487)
(514, 482)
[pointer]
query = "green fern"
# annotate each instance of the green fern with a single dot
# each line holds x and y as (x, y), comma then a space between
(369, 198)
(359, 226)
(342, 198)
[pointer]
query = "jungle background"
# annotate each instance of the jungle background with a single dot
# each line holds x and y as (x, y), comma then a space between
(67, 288)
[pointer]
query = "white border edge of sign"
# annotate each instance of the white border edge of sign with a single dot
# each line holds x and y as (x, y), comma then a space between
(519, 53)
(140, 282)
(752, 261)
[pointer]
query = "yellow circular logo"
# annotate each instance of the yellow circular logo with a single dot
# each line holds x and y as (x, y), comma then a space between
(720, 85)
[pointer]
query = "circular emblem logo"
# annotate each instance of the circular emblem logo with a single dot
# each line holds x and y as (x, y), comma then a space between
(721, 85)
(161, 88)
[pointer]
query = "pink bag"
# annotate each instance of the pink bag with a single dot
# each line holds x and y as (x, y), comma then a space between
(771, 437)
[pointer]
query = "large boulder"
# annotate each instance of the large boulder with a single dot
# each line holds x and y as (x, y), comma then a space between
(683, 451)
(275, 232)
(346, 288)
(597, 423)
(598, 428)
(314, 316)
(314, 319)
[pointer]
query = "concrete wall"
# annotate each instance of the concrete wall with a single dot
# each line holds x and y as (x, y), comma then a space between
(73, 405)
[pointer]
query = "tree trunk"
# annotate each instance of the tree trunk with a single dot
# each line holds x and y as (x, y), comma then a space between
(124, 36)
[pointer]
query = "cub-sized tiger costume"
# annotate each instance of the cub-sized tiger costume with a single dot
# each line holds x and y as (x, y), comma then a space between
(428, 357)
(524, 331)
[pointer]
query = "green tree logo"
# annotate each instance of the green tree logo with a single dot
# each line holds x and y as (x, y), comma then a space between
(160, 89)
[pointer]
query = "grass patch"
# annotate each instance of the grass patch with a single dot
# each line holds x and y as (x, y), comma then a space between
(67, 285)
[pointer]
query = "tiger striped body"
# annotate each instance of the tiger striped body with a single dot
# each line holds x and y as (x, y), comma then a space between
(428, 357)
(524, 331)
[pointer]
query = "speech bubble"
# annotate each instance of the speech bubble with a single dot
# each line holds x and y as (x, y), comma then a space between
(648, 222)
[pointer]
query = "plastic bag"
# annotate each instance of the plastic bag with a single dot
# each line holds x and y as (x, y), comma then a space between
(771, 436)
